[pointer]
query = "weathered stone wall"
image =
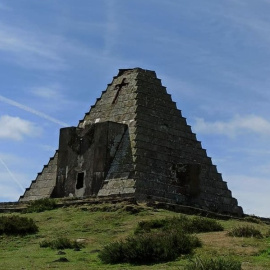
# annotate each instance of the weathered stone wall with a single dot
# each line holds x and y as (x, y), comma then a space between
(85, 156)
(43, 185)
(121, 110)
(119, 179)
(163, 140)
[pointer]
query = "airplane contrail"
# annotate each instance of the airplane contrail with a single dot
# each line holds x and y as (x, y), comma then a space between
(28, 109)
(11, 174)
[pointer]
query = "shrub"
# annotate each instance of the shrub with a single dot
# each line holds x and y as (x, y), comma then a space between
(149, 248)
(182, 223)
(41, 205)
(199, 224)
(245, 231)
(214, 264)
(16, 225)
(267, 234)
(60, 243)
(253, 219)
(147, 226)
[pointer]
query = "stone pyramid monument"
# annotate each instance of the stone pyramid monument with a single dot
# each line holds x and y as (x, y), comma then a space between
(134, 142)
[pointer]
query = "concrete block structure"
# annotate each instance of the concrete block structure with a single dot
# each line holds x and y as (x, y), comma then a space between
(134, 142)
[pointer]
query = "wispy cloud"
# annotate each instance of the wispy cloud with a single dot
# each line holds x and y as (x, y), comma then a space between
(262, 169)
(15, 128)
(48, 92)
(9, 193)
(12, 176)
(47, 148)
(15, 160)
(254, 151)
(179, 87)
(235, 126)
(30, 49)
(111, 29)
(53, 98)
(249, 19)
(10, 190)
(32, 111)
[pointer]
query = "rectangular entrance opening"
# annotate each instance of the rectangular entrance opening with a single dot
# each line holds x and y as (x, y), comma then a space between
(80, 180)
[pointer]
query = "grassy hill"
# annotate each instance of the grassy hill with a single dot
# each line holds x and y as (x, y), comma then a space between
(98, 225)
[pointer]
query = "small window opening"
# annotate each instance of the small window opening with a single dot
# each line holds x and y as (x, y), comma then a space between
(80, 180)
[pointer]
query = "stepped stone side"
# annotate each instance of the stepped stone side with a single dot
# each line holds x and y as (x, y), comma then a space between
(44, 184)
(122, 110)
(165, 148)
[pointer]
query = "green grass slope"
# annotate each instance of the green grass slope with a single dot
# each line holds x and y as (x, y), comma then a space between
(95, 226)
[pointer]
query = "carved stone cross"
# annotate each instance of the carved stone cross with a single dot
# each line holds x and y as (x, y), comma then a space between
(118, 88)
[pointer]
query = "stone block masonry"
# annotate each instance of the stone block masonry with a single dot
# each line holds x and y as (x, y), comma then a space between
(44, 184)
(135, 142)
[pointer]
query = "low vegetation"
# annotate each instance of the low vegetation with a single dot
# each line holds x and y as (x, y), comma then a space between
(41, 205)
(267, 234)
(159, 240)
(16, 225)
(150, 247)
(181, 223)
(60, 243)
(245, 231)
(214, 264)
(142, 236)
(253, 219)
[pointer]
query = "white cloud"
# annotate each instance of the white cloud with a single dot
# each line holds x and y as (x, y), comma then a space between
(15, 128)
(235, 126)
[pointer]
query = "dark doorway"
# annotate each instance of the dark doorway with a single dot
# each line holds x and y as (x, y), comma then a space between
(80, 180)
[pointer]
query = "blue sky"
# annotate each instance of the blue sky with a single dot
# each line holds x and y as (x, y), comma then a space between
(213, 57)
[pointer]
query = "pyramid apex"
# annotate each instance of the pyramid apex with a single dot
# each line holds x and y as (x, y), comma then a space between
(136, 69)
